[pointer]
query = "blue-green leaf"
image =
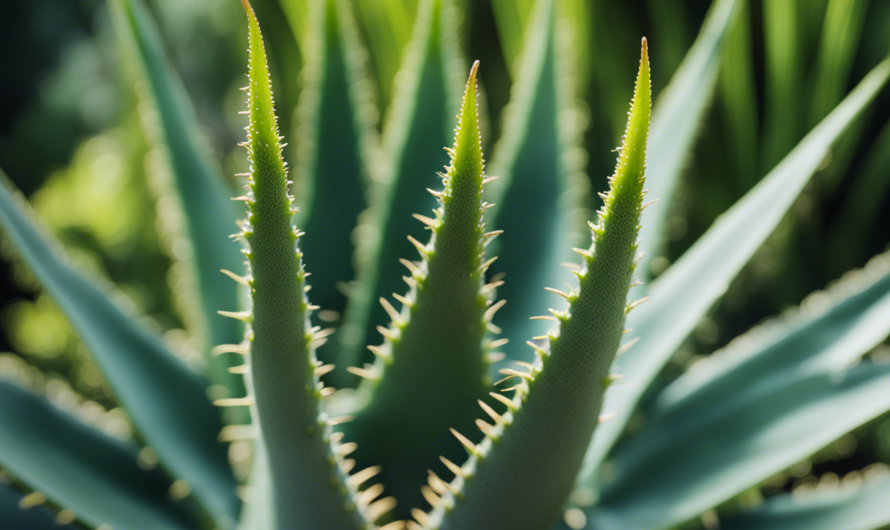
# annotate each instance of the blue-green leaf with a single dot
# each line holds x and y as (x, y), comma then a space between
(682, 295)
(539, 199)
(81, 469)
(753, 438)
(34, 518)
(167, 403)
(420, 123)
(676, 118)
(201, 190)
(850, 509)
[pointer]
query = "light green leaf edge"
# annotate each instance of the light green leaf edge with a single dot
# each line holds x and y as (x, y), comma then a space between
(167, 403)
(681, 296)
(82, 469)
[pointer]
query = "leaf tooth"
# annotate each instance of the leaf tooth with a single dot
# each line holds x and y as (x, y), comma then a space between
(488, 287)
(365, 373)
(240, 349)
(489, 313)
(243, 316)
(544, 317)
(503, 399)
(388, 333)
(339, 420)
(632, 305)
(626, 346)
(486, 180)
(403, 300)
(494, 357)
(67, 516)
(234, 433)
(515, 373)
(327, 391)
(484, 267)
(421, 248)
(454, 468)
(347, 448)
(234, 402)
(411, 266)
(240, 279)
(436, 194)
(380, 507)
(498, 343)
(368, 496)
(412, 525)
(420, 516)
(395, 525)
(536, 347)
(360, 477)
(437, 484)
(379, 352)
(325, 369)
(557, 291)
(347, 465)
(430, 496)
(240, 369)
(390, 310)
(468, 445)
(31, 500)
(337, 437)
(486, 428)
(430, 222)
(607, 416)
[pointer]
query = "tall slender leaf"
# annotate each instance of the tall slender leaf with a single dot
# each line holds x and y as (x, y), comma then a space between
(167, 403)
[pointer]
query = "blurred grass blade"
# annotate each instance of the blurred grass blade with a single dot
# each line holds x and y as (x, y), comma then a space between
(421, 121)
(387, 24)
(511, 19)
(167, 403)
(541, 193)
(336, 117)
(841, 32)
(701, 276)
(34, 518)
(81, 469)
(738, 95)
(721, 456)
(849, 508)
(676, 119)
(209, 214)
(782, 92)
(830, 331)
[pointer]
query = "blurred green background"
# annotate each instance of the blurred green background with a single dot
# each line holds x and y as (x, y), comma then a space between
(71, 136)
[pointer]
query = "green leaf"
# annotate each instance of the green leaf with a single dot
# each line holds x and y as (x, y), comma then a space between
(830, 331)
(676, 120)
(851, 509)
(200, 189)
(420, 123)
(430, 376)
(336, 139)
(35, 518)
(81, 469)
(167, 403)
(769, 429)
(682, 295)
(540, 197)
(521, 474)
(782, 102)
(284, 386)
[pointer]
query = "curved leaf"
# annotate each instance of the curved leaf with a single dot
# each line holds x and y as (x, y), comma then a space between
(719, 457)
(682, 295)
(80, 468)
(860, 509)
(201, 190)
(676, 118)
(167, 403)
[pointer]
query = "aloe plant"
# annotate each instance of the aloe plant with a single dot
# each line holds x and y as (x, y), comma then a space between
(423, 419)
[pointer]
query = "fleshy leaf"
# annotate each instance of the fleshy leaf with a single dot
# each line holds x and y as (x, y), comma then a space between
(521, 474)
(335, 152)
(284, 387)
(420, 123)
(701, 276)
(541, 193)
(29, 518)
(756, 436)
(201, 190)
(429, 376)
(81, 469)
(167, 403)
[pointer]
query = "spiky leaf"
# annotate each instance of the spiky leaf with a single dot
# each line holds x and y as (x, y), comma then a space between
(522, 473)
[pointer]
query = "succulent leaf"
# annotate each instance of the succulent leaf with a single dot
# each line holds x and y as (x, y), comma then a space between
(200, 189)
(678, 116)
(420, 123)
(701, 276)
(433, 367)
(166, 402)
(81, 469)
(856, 509)
(522, 473)
(770, 429)
(31, 517)
(540, 197)
(336, 149)
(286, 392)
